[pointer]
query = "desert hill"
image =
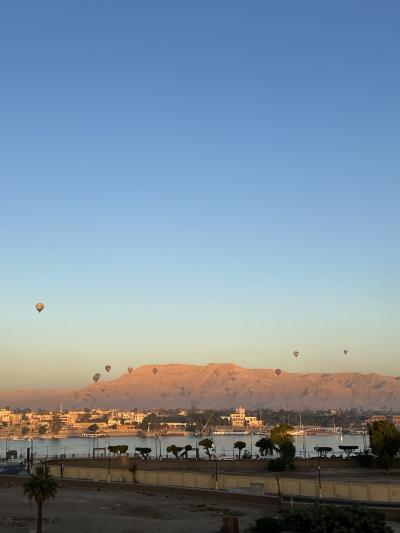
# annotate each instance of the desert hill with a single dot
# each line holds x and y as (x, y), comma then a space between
(220, 386)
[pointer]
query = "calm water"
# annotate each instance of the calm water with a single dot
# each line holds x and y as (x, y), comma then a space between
(224, 444)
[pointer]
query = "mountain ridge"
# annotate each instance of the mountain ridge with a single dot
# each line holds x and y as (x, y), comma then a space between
(220, 385)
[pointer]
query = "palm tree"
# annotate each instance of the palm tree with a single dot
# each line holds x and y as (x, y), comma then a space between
(240, 445)
(41, 486)
(266, 446)
(207, 445)
(186, 450)
(175, 450)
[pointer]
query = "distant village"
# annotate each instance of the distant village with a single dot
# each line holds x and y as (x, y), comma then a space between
(87, 422)
(27, 424)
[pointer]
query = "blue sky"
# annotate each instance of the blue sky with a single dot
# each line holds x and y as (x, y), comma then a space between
(198, 181)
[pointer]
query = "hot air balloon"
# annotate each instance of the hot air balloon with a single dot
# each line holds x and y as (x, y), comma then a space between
(96, 377)
(39, 307)
(296, 353)
(345, 352)
(103, 389)
(130, 370)
(155, 370)
(107, 368)
(76, 394)
(278, 371)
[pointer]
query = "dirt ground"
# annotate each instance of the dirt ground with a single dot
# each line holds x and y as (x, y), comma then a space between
(93, 511)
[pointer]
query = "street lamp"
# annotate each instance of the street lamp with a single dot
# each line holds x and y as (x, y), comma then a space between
(319, 474)
(109, 459)
(216, 466)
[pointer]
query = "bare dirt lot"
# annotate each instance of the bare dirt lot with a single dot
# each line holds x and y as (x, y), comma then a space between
(115, 511)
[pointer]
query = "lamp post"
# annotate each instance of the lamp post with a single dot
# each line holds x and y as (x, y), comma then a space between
(280, 498)
(109, 460)
(216, 466)
(319, 474)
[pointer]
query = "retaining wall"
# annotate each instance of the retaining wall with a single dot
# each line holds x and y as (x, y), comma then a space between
(346, 490)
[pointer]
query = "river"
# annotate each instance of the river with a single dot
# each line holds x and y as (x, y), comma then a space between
(223, 444)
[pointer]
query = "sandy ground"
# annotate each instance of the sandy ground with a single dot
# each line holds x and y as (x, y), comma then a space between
(115, 511)
(93, 511)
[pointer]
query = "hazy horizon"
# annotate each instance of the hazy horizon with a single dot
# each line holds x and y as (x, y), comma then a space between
(191, 182)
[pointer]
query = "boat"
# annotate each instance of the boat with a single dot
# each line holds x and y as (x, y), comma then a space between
(92, 435)
(12, 467)
(230, 432)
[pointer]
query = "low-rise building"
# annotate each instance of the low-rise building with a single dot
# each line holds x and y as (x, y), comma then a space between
(238, 418)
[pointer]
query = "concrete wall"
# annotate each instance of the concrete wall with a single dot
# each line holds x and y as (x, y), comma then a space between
(372, 492)
(312, 463)
(203, 465)
(170, 464)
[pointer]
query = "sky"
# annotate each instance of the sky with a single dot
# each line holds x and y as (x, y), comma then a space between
(194, 182)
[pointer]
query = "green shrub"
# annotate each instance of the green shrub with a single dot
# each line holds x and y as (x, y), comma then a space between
(325, 519)
(365, 459)
(280, 464)
(276, 465)
(268, 524)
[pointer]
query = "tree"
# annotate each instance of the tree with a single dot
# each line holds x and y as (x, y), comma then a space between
(323, 451)
(175, 450)
(25, 430)
(150, 421)
(283, 444)
(40, 486)
(281, 433)
(93, 428)
(198, 422)
(56, 424)
(240, 445)
(384, 440)
(85, 417)
(348, 450)
(118, 449)
(186, 450)
(42, 430)
(266, 446)
(207, 444)
(144, 452)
